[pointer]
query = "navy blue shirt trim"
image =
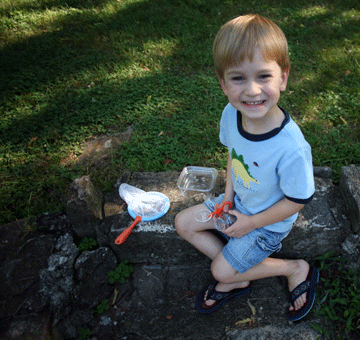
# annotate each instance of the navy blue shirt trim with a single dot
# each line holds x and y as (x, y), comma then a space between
(264, 136)
(300, 201)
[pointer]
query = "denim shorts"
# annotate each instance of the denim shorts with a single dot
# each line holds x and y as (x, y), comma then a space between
(247, 251)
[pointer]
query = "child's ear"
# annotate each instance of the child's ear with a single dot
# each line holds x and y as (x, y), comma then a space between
(223, 84)
(284, 79)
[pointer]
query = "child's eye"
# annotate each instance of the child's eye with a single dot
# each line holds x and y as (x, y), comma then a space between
(265, 76)
(238, 78)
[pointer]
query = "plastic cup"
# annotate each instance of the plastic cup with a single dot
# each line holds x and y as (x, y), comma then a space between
(203, 215)
(224, 221)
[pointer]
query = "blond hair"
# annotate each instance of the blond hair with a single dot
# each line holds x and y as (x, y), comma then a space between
(238, 39)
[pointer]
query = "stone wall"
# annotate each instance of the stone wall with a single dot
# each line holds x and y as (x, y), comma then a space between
(49, 290)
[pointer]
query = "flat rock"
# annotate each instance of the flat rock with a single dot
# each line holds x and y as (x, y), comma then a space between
(100, 148)
(44, 274)
(84, 207)
(270, 332)
(91, 269)
(350, 190)
(23, 253)
(320, 227)
(159, 303)
(32, 327)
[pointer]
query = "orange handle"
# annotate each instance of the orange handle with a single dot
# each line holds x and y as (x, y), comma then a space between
(227, 203)
(124, 235)
(219, 210)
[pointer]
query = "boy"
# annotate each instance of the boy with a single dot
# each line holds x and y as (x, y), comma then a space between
(269, 171)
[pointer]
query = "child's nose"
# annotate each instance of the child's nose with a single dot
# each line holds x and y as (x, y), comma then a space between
(252, 88)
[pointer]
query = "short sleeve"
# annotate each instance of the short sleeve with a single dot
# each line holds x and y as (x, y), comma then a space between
(296, 175)
(228, 117)
(222, 135)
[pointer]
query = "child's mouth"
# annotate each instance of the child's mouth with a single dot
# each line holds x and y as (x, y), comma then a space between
(255, 103)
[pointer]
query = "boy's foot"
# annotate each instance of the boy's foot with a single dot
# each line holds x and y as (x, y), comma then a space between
(224, 288)
(211, 299)
(297, 277)
(305, 288)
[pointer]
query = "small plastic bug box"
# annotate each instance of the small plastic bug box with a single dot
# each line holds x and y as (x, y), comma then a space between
(194, 178)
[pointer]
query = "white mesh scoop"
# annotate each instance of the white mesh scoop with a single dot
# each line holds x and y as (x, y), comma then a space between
(149, 206)
(143, 206)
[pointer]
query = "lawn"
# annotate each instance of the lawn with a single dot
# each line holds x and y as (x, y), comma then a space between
(72, 71)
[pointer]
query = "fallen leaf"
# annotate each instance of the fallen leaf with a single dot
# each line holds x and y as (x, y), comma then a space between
(147, 272)
(243, 321)
(116, 293)
(186, 295)
(253, 310)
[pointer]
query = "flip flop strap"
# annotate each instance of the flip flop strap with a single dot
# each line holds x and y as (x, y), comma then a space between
(215, 295)
(299, 290)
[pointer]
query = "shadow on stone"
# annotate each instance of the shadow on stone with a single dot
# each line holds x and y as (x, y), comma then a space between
(49, 290)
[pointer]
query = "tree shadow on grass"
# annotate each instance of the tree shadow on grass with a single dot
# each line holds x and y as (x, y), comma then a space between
(59, 65)
(24, 7)
(78, 43)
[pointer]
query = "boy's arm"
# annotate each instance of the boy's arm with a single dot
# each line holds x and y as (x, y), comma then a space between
(276, 213)
(229, 188)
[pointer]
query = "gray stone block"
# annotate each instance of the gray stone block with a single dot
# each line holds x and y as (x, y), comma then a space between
(84, 207)
(320, 227)
(350, 190)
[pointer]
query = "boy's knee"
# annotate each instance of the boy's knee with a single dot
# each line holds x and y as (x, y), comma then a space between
(218, 274)
(179, 224)
(222, 271)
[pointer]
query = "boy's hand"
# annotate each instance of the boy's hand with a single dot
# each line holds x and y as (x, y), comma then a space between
(226, 207)
(241, 227)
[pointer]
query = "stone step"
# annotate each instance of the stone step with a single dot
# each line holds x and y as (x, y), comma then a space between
(46, 278)
(160, 304)
(321, 226)
(49, 287)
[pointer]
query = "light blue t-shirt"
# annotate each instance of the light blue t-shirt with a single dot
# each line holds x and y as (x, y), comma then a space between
(268, 167)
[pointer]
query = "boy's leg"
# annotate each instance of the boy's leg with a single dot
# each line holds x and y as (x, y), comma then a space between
(196, 233)
(296, 271)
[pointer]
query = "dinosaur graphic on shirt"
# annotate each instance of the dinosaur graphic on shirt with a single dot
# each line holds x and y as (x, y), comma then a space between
(241, 169)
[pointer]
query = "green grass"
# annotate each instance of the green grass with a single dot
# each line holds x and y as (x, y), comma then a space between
(74, 70)
(338, 299)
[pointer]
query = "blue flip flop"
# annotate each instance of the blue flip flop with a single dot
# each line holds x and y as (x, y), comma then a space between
(219, 297)
(308, 286)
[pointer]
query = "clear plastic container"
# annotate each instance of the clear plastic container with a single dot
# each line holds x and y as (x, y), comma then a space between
(194, 178)
(224, 221)
(203, 215)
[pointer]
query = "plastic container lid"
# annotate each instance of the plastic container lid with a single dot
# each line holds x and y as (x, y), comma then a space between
(195, 178)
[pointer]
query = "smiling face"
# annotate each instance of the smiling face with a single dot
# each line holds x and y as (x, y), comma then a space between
(253, 88)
